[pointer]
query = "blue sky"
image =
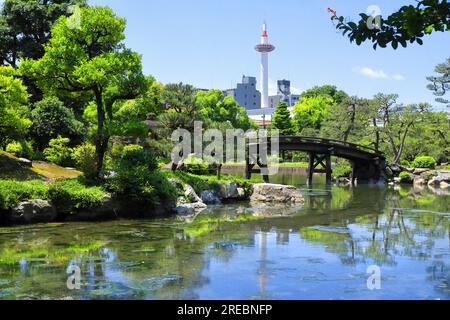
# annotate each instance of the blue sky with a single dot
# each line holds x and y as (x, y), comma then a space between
(209, 44)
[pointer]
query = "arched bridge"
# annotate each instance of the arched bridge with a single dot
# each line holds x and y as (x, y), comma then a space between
(368, 164)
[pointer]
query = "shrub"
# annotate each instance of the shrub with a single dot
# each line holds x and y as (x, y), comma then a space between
(58, 152)
(405, 163)
(71, 193)
(424, 162)
(195, 165)
(86, 160)
(342, 170)
(14, 192)
(51, 118)
(164, 189)
(204, 182)
(21, 149)
(134, 168)
(405, 177)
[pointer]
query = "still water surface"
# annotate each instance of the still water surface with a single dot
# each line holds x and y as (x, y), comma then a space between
(319, 251)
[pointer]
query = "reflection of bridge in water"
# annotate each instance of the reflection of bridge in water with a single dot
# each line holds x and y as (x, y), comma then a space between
(368, 165)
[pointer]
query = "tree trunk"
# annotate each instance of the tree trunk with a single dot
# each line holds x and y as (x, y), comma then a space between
(352, 123)
(101, 140)
(377, 135)
(402, 144)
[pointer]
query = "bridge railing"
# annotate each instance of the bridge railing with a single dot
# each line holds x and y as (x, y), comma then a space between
(330, 142)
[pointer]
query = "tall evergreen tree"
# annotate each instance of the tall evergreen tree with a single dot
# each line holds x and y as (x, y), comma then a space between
(282, 120)
(440, 83)
(25, 27)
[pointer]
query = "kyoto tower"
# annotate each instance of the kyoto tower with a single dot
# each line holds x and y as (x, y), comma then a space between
(264, 47)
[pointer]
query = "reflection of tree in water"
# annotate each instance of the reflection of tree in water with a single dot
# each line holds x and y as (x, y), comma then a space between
(166, 259)
(439, 272)
(405, 228)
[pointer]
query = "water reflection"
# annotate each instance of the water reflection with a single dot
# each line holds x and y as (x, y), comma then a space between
(321, 250)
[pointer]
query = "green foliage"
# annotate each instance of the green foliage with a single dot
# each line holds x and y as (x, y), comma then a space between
(205, 182)
(180, 98)
(214, 106)
(134, 167)
(14, 192)
(165, 191)
(195, 165)
(59, 152)
(405, 163)
(92, 63)
(50, 119)
(71, 193)
(426, 162)
(13, 108)
(21, 149)
(405, 177)
(86, 160)
(346, 121)
(342, 170)
(310, 113)
(440, 84)
(282, 120)
(172, 121)
(330, 91)
(25, 27)
(409, 24)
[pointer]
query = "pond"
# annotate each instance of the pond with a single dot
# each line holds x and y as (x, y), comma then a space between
(319, 251)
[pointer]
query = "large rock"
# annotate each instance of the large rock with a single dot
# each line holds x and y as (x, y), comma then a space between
(211, 197)
(190, 208)
(442, 176)
(25, 162)
(176, 183)
(228, 190)
(275, 193)
(419, 171)
(191, 195)
(34, 211)
(108, 209)
(419, 181)
(444, 185)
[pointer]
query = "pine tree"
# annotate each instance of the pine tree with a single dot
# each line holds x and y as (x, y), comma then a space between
(282, 120)
(440, 83)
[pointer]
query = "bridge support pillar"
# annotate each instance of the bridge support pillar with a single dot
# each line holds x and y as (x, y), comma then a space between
(316, 160)
(371, 172)
(250, 168)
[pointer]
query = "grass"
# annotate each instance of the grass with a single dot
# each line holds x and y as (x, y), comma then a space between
(62, 193)
(14, 192)
(11, 169)
(68, 193)
(52, 171)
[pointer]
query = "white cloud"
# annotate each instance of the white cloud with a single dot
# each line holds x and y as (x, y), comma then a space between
(377, 74)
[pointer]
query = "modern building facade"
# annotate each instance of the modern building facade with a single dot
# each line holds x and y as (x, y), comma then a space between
(246, 93)
(283, 95)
